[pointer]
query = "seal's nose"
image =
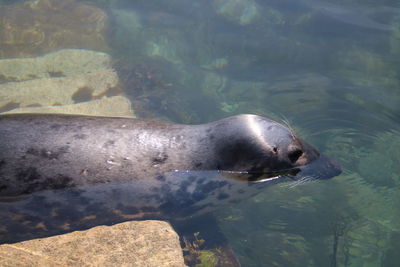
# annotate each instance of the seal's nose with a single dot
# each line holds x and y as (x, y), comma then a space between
(294, 154)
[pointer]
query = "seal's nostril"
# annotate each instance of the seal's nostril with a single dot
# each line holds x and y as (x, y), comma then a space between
(295, 155)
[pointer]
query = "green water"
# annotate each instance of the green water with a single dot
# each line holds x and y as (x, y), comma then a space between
(331, 69)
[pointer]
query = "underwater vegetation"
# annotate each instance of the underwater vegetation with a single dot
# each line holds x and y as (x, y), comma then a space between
(197, 255)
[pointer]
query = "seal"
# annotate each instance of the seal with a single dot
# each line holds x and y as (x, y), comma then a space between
(59, 169)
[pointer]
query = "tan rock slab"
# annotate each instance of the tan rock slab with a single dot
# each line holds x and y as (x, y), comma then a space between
(138, 243)
(66, 62)
(58, 91)
(116, 106)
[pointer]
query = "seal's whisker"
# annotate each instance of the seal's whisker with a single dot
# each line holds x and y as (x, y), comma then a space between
(301, 181)
(286, 122)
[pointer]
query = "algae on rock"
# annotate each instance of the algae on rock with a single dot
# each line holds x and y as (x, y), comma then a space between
(36, 27)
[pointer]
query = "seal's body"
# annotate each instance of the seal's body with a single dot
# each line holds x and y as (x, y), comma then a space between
(58, 170)
(52, 151)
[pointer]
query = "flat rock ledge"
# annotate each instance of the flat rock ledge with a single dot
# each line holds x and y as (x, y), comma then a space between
(72, 81)
(136, 243)
(116, 106)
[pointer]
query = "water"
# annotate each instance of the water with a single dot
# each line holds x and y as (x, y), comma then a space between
(329, 68)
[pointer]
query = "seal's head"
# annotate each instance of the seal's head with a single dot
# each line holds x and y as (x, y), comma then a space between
(255, 144)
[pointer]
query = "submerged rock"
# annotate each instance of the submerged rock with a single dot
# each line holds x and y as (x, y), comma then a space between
(36, 27)
(242, 12)
(65, 77)
(138, 243)
(395, 37)
(57, 91)
(366, 68)
(62, 63)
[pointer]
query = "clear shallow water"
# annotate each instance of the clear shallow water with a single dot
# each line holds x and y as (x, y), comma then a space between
(330, 68)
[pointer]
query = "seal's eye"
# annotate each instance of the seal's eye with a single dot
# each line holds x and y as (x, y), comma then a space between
(275, 150)
(295, 155)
